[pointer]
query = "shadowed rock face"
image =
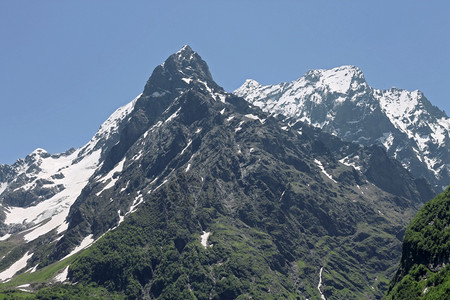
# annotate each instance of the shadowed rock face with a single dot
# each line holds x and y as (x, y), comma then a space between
(281, 201)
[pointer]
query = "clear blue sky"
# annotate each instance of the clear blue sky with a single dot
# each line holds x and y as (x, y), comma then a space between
(65, 66)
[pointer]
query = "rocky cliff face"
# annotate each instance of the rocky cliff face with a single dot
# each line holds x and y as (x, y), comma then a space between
(342, 103)
(192, 191)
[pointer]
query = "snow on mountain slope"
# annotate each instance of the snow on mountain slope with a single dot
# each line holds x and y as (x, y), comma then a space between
(73, 176)
(52, 183)
(341, 102)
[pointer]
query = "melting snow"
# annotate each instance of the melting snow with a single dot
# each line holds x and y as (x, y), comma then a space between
(57, 207)
(5, 237)
(187, 80)
(323, 170)
(239, 126)
(125, 188)
(15, 267)
(111, 125)
(121, 218)
(112, 181)
(24, 287)
(61, 277)
(346, 161)
(253, 117)
(138, 200)
(165, 180)
(204, 239)
(187, 146)
(86, 242)
(173, 116)
(387, 140)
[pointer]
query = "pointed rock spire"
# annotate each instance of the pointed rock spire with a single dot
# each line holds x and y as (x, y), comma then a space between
(178, 71)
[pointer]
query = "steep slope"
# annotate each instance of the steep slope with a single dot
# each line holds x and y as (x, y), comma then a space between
(424, 271)
(190, 191)
(342, 103)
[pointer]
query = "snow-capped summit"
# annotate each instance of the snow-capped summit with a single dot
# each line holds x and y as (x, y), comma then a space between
(340, 101)
(337, 80)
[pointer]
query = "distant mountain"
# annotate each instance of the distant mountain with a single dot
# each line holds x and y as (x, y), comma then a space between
(192, 192)
(341, 102)
(424, 271)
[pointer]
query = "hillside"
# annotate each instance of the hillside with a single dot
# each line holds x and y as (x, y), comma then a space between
(424, 271)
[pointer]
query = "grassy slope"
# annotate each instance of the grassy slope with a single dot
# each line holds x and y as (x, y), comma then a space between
(426, 251)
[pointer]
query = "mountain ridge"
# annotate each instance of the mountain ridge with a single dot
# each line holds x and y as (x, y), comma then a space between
(340, 101)
(185, 160)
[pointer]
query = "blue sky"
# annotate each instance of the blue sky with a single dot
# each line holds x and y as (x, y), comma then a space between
(65, 66)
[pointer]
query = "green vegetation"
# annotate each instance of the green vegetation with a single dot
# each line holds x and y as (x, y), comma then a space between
(424, 271)
(40, 276)
(63, 292)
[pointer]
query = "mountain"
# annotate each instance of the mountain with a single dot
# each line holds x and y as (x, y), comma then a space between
(341, 102)
(424, 271)
(192, 192)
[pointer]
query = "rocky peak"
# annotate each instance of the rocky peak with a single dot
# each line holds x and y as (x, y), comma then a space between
(178, 71)
(340, 101)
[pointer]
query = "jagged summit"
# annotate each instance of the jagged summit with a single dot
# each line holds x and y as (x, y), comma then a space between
(340, 101)
(178, 71)
(339, 79)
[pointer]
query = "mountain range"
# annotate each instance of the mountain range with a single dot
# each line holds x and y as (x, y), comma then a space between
(340, 102)
(192, 192)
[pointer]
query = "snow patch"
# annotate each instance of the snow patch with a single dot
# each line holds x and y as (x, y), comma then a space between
(347, 161)
(138, 200)
(173, 116)
(57, 207)
(239, 127)
(5, 237)
(24, 287)
(86, 242)
(7, 274)
(187, 80)
(204, 239)
(110, 176)
(323, 170)
(387, 140)
(61, 277)
(187, 146)
(111, 125)
(121, 218)
(253, 117)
